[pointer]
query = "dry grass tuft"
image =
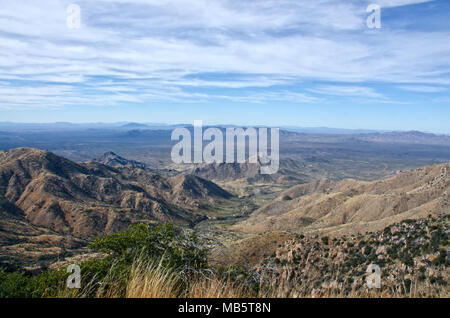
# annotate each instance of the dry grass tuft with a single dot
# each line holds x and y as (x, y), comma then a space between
(152, 280)
(214, 287)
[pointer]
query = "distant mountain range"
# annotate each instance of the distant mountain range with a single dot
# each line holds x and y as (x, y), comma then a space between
(409, 137)
(330, 131)
(162, 126)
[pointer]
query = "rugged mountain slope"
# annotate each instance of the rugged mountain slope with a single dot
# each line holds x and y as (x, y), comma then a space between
(23, 245)
(351, 206)
(111, 159)
(412, 256)
(288, 173)
(92, 199)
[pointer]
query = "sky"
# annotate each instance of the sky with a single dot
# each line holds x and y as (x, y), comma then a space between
(306, 63)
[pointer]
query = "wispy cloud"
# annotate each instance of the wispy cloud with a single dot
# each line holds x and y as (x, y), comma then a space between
(399, 3)
(424, 89)
(353, 91)
(197, 50)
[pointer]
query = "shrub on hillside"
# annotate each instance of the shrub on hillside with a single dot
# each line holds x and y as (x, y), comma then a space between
(24, 285)
(163, 243)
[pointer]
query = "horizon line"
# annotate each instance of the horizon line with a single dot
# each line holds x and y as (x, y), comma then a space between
(284, 127)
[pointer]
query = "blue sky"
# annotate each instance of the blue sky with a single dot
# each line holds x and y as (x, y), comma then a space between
(261, 62)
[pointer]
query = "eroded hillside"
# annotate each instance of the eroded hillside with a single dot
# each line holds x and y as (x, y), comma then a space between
(51, 204)
(351, 206)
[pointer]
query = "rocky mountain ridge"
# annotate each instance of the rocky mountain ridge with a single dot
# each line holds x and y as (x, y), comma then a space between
(91, 199)
(351, 206)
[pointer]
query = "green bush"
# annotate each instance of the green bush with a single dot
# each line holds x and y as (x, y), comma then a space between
(163, 243)
(24, 285)
(13, 284)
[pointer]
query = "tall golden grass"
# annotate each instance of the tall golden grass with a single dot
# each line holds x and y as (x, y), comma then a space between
(152, 280)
